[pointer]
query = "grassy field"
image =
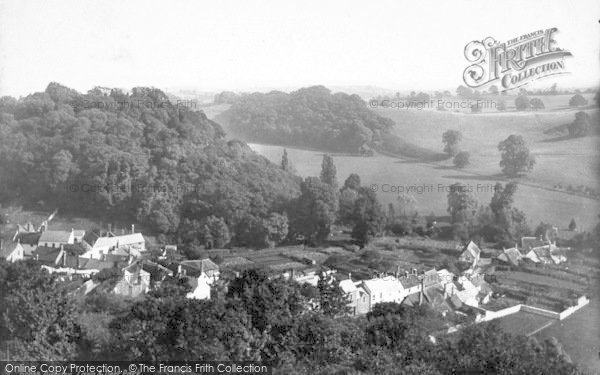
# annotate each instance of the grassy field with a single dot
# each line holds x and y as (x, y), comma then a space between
(383, 172)
(559, 159)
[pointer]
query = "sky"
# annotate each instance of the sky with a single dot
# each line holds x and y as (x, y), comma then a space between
(248, 45)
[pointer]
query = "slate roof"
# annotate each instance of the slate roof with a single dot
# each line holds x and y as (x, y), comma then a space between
(512, 255)
(197, 267)
(409, 282)
(7, 249)
(61, 236)
(46, 254)
(412, 300)
(28, 238)
(95, 264)
(116, 241)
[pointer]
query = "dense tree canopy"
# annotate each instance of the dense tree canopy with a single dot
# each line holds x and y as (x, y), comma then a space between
(133, 156)
(310, 117)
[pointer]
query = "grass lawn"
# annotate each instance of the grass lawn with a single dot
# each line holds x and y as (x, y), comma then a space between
(523, 323)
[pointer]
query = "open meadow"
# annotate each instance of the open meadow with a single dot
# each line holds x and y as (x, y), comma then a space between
(428, 185)
(560, 161)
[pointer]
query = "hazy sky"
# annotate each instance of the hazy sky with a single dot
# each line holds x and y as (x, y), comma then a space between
(249, 44)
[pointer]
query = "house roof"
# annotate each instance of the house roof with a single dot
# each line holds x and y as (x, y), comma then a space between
(90, 238)
(95, 264)
(445, 276)
(430, 278)
(472, 249)
(8, 249)
(348, 286)
(528, 243)
(27, 228)
(513, 255)
(409, 282)
(116, 241)
(56, 236)
(28, 238)
(382, 285)
(46, 254)
(201, 265)
(412, 300)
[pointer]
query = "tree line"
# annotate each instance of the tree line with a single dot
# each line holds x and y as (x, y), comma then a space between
(258, 319)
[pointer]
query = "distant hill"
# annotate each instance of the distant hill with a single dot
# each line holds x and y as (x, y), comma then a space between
(310, 117)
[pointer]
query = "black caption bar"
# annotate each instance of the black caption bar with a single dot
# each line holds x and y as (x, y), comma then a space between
(132, 368)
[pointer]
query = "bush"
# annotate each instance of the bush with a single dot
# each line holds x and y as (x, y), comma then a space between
(577, 101)
(536, 104)
(461, 159)
(522, 103)
(106, 274)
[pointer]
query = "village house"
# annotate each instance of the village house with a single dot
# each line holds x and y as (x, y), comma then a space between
(528, 243)
(56, 238)
(133, 243)
(411, 284)
(445, 277)
(28, 237)
(351, 291)
(305, 276)
(470, 255)
(384, 289)
(140, 277)
(547, 254)
(463, 289)
(431, 278)
(202, 275)
(511, 256)
(62, 261)
(12, 252)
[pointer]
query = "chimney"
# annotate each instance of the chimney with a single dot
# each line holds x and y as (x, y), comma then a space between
(397, 271)
(350, 276)
(64, 255)
(421, 292)
(109, 227)
(132, 228)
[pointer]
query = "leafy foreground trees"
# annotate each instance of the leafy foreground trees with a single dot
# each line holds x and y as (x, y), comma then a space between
(259, 319)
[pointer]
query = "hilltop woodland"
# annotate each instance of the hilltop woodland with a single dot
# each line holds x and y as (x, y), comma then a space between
(136, 157)
(311, 117)
(259, 319)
